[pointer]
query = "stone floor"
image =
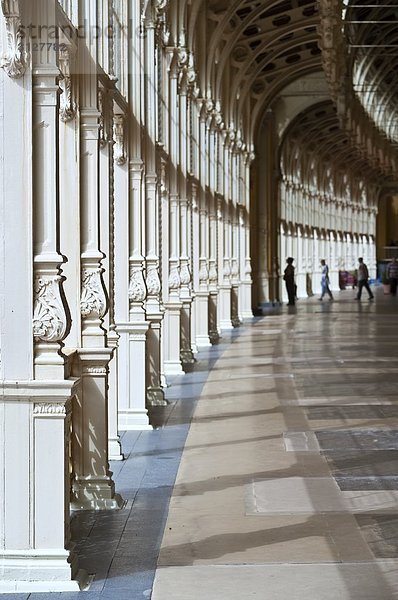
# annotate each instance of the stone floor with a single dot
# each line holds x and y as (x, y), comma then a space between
(271, 474)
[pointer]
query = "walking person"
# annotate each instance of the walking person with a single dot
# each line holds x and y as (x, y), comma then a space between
(289, 281)
(392, 273)
(363, 276)
(325, 281)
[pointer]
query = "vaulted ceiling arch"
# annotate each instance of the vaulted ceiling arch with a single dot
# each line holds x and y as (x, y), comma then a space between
(248, 51)
(273, 57)
(251, 44)
(315, 135)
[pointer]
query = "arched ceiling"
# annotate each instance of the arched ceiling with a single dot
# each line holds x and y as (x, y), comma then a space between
(319, 141)
(254, 48)
(372, 39)
(248, 51)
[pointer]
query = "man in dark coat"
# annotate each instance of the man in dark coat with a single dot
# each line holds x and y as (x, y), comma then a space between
(289, 281)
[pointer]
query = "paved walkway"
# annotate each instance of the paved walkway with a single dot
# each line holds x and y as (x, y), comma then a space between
(287, 487)
(288, 484)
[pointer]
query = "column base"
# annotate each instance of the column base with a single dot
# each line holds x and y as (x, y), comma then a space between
(115, 449)
(214, 336)
(95, 494)
(134, 420)
(225, 312)
(48, 571)
(203, 341)
(172, 367)
(246, 314)
(202, 338)
(132, 412)
(226, 325)
(187, 357)
(155, 397)
(171, 338)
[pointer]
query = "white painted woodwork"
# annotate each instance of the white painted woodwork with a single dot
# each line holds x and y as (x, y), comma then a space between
(126, 235)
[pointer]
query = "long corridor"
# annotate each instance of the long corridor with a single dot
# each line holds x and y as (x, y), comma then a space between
(283, 445)
(288, 483)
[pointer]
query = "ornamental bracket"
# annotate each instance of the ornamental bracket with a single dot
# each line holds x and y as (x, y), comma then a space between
(14, 60)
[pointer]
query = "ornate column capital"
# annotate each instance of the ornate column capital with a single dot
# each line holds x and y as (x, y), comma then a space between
(14, 60)
(49, 315)
(137, 288)
(152, 281)
(136, 167)
(119, 138)
(103, 120)
(220, 203)
(172, 61)
(174, 277)
(93, 300)
(67, 109)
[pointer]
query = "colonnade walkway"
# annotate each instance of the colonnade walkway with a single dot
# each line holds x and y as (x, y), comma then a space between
(288, 483)
(279, 456)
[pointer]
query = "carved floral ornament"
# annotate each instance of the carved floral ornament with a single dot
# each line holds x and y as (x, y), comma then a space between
(161, 6)
(49, 314)
(153, 281)
(219, 209)
(14, 60)
(191, 73)
(52, 409)
(218, 119)
(227, 268)
(119, 137)
(67, 109)
(194, 195)
(332, 44)
(137, 288)
(209, 106)
(234, 268)
(162, 29)
(203, 271)
(185, 275)
(93, 299)
(183, 57)
(94, 371)
(174, 278)
(248, 268)
(213, 275)
(102, 107)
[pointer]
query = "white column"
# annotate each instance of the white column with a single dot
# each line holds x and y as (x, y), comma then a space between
(36, 555)
(93, 486)
(235, 280)
(225, 242)
(153, 305)
(213, 262)
(185, 271)
(214, 332)
(50, 316)
(107, 234)
(233, 231)
(121, 274)
(202, 294)
(133, 414)
(195, 263)
(245, 260)
(34, 525)
(172, 341)
(69, 193)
